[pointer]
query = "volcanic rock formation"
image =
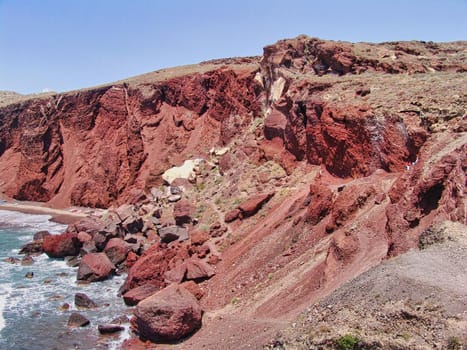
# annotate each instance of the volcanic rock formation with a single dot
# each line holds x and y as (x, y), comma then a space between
(305, 168)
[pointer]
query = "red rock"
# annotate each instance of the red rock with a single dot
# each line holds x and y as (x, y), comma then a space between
(175, 275)
(274, 125)
(183, 210)
(253, 204)
(84, 237)
(320, 204)
(217, 230)
(199, 237)
(135, 295)
(171, 314)
(117, 250)
(60, 246)
(149, 268)
(131, 258)
(232, 215)
(198, 270)
(193, 288)
(95, 267)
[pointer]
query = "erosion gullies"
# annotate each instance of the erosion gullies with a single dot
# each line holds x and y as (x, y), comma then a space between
(310, 166)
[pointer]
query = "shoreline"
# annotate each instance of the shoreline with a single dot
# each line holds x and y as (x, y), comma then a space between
(60, 216)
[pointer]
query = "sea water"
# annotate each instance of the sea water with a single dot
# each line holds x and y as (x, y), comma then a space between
(31, 309)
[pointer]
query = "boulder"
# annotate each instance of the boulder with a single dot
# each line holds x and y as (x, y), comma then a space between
(34, 247)
(109, 328)
(77, 320)
(84, 237)
(27, 260)
(135, 295)
(197, 269)
(84, 302)
(175, 275)
(117, 250)
(232, 215)
(183, 211)
(39, 235)
(149, 268)
(173, 233)
(199, 237)
(133, 224)
(253, 204)
(59, 246)
(171, 314)
(193, 288)
(95, 267)
(185, 171)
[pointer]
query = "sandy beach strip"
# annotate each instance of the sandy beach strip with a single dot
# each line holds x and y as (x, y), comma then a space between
(58, 215)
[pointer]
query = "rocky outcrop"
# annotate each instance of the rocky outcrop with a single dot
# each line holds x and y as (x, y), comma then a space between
(171, 314)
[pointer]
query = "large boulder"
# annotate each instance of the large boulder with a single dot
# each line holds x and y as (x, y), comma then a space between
(135, 295)
(117, 250)
(59, 246)
(171, 314)
(95, 267)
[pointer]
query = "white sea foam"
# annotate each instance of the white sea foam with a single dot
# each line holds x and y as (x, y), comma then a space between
(29, 221)
(2, 306)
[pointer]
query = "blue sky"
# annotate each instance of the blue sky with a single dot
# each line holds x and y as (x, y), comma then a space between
(70, 44)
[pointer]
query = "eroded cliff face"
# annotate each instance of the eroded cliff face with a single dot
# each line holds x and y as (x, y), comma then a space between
(92, 147)
(360, 148)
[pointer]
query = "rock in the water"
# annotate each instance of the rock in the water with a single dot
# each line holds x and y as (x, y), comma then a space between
(171, 314)
(59, 246)
(77, 320)
(117, 250)
(83, 301)
(95, 267)
(34, 247)
(40, 235)
(135, 295)
(27, 260)
(29, 274)
(109, 328)
(183, 210)
(173, 233)
(11, 260)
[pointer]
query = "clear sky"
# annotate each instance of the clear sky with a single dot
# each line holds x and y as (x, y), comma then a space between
(70, 44)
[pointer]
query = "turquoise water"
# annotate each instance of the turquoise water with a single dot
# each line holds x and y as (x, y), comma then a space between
(30, 308)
